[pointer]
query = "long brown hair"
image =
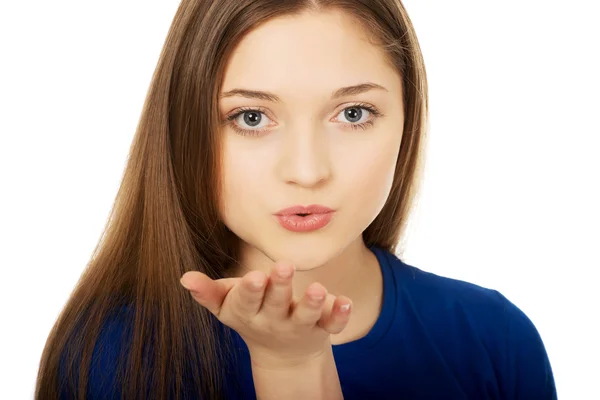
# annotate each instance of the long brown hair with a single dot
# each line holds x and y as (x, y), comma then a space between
(165, 220)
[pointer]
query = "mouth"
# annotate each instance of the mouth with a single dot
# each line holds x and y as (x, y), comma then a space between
(303, 211)
(305, 222)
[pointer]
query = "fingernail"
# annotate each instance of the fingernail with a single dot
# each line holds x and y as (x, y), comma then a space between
(185, 282)
(317, 298)
(345, 308)
(258, 284)
(285, 271)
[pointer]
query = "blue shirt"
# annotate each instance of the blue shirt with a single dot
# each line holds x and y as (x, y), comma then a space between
(435, 338)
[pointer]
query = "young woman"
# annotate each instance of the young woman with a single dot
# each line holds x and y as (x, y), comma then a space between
(272, 174)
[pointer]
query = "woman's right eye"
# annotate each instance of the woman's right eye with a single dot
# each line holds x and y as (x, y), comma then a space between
(248, 117)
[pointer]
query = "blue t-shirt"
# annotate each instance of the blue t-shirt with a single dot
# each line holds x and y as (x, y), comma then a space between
(435, 338)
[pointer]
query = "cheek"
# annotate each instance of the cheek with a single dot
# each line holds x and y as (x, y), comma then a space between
(371, 178)
(241, 186)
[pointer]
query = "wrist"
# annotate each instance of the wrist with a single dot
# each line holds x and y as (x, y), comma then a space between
(267, 360)
(311, 377)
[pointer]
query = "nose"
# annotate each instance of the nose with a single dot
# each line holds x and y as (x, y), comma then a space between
(304, 158)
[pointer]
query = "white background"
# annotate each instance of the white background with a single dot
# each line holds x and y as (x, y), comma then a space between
(511, 192)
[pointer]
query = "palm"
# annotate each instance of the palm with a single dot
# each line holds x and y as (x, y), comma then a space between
(264, 312)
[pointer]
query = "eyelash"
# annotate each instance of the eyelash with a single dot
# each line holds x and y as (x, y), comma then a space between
(230, 120)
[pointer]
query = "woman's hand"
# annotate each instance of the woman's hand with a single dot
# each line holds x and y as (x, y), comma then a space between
(279, 330)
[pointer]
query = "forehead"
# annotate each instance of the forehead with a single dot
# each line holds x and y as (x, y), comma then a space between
(312, 52)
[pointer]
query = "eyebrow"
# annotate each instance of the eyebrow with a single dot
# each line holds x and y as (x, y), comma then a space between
(341, 92)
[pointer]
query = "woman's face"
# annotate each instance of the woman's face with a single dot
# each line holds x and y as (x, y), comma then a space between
(301, 148)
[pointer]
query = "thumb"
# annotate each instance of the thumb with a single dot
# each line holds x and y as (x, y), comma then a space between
(206, 291)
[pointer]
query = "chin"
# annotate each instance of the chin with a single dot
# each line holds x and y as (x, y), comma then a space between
(304, 254)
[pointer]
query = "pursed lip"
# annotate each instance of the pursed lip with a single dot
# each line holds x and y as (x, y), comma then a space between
(311, 209)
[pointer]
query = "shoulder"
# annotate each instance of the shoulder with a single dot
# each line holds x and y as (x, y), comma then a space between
(109, 350)
(430, 292)
(470, 314)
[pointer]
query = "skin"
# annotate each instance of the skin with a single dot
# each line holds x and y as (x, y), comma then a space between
(304, 151)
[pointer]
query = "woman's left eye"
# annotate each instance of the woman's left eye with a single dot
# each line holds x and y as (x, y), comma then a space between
(253, 117)
(355, 115)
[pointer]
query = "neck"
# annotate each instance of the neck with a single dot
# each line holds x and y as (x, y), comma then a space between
(346, 273)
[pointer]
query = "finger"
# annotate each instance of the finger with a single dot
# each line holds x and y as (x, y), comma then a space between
(206, 291)
(336, 319)
(278, 294)
(251, 292)
(310, 307)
